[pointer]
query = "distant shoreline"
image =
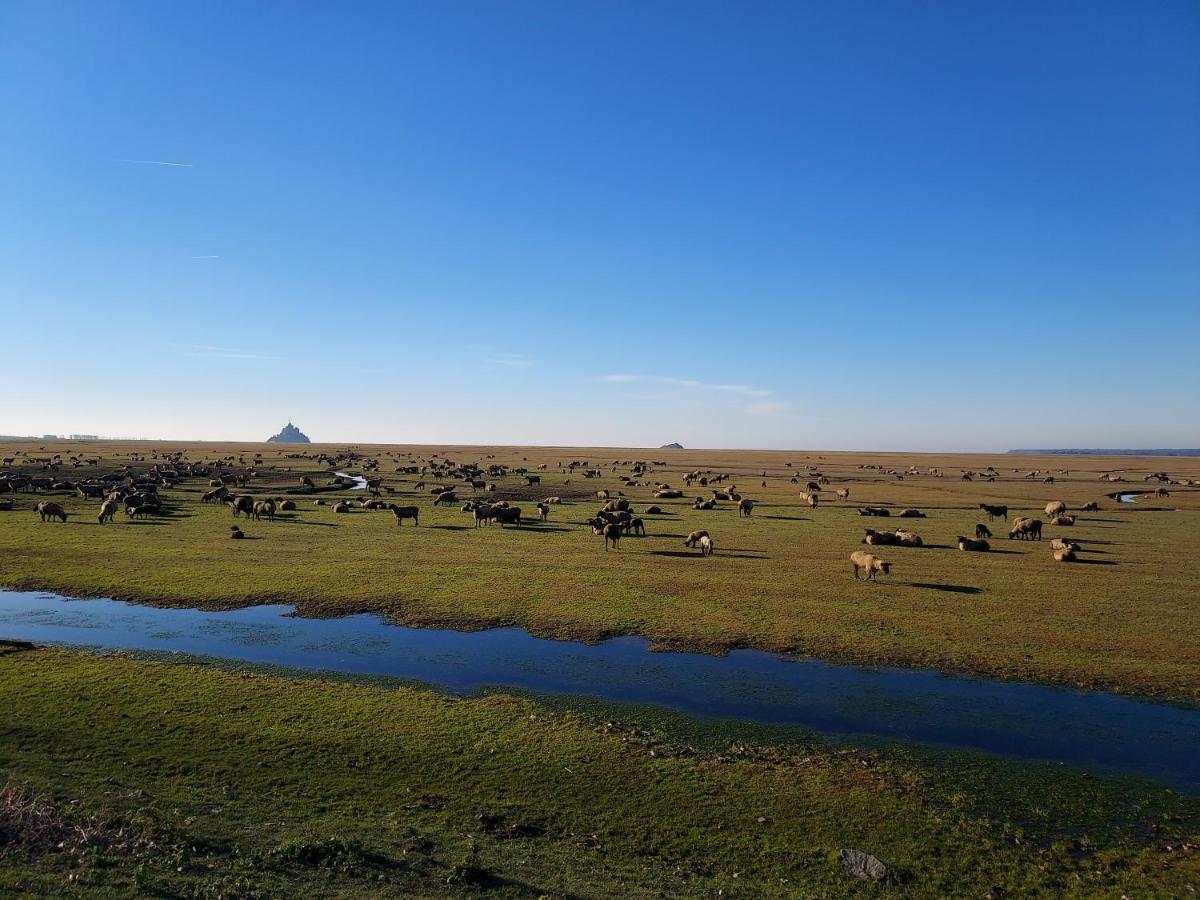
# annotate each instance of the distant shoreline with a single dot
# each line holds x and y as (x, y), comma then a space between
(1093, 452)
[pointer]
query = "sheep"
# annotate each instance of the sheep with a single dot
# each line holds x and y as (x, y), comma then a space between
(745, 508)
(287, 505)
(217, 493)
(49, 510)
(1063, 544)
(236, 533)
(878, 538)
(652, 511)
(634, 526)
(911, 513)
(342, 506)
(694, 538)
(1092, 506)
(553, 500)
(704, 504)
(141, 512)
(305, 481)
(405, 512)
(1063, 521)
(263, 508)
(107, 510)
(908, 538)
(318, 503)
(543, 511)
(668, 494)
(967, 545)
(243, 503)
(1055, 508)
(869, 563)
(610, 532)
(873, 511)
(1066, 554)
(995, 512)
(6, 506)
(982, 531)
(507, 515)
(602, 495)
(617, 505)
(1026, 529)
(843, 493)
(1162, 492)
(446, 497)
(706, 545)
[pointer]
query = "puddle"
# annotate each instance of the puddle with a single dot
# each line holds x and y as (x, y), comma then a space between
(1092, 730)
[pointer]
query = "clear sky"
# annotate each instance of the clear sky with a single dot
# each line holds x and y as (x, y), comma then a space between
(877, 225)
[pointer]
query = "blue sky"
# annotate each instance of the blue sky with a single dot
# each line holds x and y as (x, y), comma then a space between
(884, 225)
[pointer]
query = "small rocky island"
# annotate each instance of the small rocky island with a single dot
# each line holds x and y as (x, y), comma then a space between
(289, 434)
(672, 446)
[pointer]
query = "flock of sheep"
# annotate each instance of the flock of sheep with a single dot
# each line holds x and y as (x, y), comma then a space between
(137, 493)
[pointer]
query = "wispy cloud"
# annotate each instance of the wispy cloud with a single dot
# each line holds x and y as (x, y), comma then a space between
(210, 256)
(510, 360)
(769, 408)
(207, 351)
(745, 390)
(156, 162)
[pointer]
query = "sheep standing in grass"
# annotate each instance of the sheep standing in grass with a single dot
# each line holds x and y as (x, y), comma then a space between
(50, 510)
(869, 563)
(107, 510)
(1026, 529)
(1055, 508)
(981, 532)
(745, 507)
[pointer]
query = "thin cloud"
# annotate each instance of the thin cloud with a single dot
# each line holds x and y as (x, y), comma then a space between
(769, 408)
(510, 360)
(156, 162)
(208, 351)
(211, 256)
(745, 390)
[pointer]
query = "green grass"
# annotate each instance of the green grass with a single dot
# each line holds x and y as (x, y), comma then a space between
(198, 781)
(1124, 619)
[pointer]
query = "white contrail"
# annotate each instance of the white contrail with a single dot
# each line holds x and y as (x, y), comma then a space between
(156, 162)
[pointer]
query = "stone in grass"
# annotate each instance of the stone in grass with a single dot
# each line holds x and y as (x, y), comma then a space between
(862, 865)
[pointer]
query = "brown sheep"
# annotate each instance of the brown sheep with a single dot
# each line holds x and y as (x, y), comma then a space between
(405, 512)
(967, 545)
(49, 510)
(704, 504)
(543, 511)
(217, 493)
(610, 532)
(694, 538)
(1026, 529)
(1093, 506)
(1067, 554)
(342, 506)
(873, 511)
(652, 511)
(1055, 508)
(843, 493)
(1063, 544)
(908, 538)
(243, 503)
(446, 497)
(911, 513)
(1063, 521)
(263, 509)
(869, 563)
(668, 494)
(745, 507)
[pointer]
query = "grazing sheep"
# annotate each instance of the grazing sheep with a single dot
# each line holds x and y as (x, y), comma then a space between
(982, 531)
(652, 511)
(873, 511)
(507, 515)
(107, 510)
(263, 509)
(706, 545)
(869, 563)
(745, 508)
(610, 532)
(911, 513)
(602, 495)
(634, 526)
(405, 512)
(141, 512)
(1055, 508)
(305, 481)
(1063, 521)
(843, 493)
(909, 538)
(694, 538)
(483, 514)
(243, 503)
(543, 511)
(1026, 529)
(446, 497)
(994, 512)
(217, 493)
(968, 545)
(48, 510)
(1162, 492)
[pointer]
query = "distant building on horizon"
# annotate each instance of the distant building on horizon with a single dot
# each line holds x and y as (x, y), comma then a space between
(289, 434)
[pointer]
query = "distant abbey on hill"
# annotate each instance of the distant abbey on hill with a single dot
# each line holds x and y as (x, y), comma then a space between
(289, 434)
